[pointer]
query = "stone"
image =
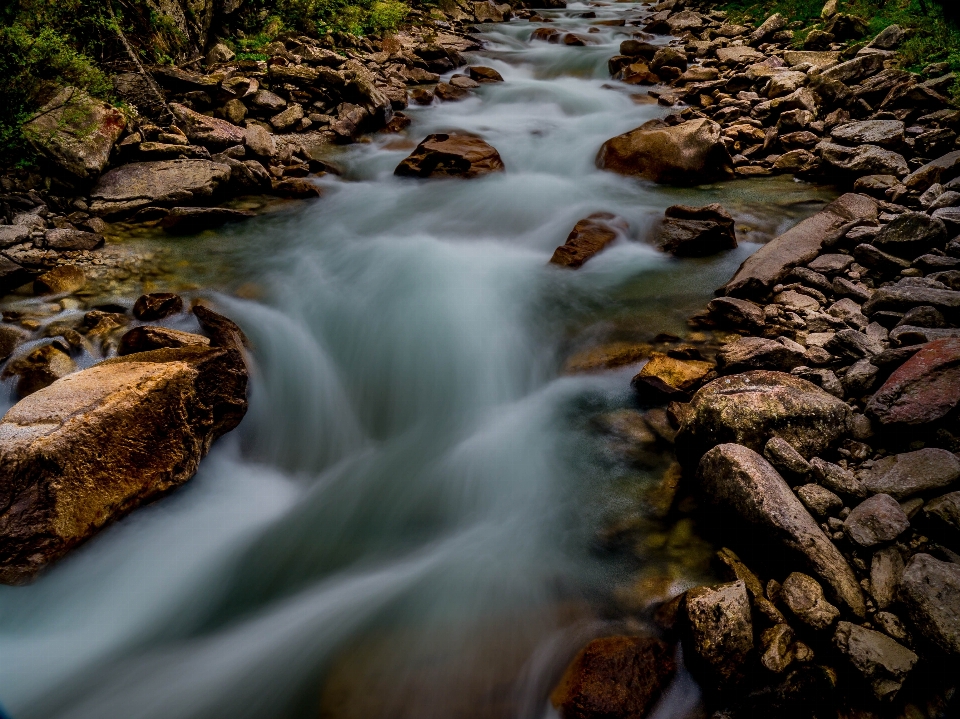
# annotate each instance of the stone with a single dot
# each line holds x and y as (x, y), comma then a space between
(803, 596)
(220, 53)
(818, 59)
(60, 280)
(891, 625)
(945, 511)
(589, 237)
(721, 632)
(853, 71)
(739, 54)
(295, 188)
(669, 57)
(288, 118)
(930, 591)
(149, 337)
(819, 500)
(883, 662)
(70, 240)
(207, 131)
(863, 159)
(889, 38)
(875, 185)
(128, 188)
(853, 345)
(481, 74)
(837, 479)
(86, 450)
(13, 235)
(905, 475)
(35, 370)
(680, 374)
(260, 141)
(690, 153)
(772, 24)
(740, 571)
(731, 311)
(885, 133)
(752, 407)
(76, 132)
(752, 353)
(190, 220)
(486, 11)
(267, 101)
(741, 482)
(911, 234)
(860, 377)
(776, 648)
(614, 677)
(798, 246)
(10, 338)
(157, 306)
(886, 569)
(696, 231)
(876, 520)
(923, 389)
(450, 93)
(785, 458)
(451, 155)
(905, 295)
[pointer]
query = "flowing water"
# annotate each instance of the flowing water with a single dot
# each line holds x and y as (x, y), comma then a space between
(406, 522)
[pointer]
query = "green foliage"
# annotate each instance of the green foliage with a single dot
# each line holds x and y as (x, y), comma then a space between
(358, 17)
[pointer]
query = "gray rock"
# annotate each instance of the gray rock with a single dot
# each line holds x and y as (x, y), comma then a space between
(849, 311)
(888, 39)
(128, 188)
(876, 520)
(837, 479)
(882, 661)
(742, 482)
(13, 235)
(259, 141)
(803, 596)
(750, 353)
(207, 131)
(863, 159)
(946, 509)
(819, 500)
(852, 71)
(853, 345)
(903, 297)
(911, 234)
(886, 568)
(830, 264)
(785, 458)
(885, 133)
(930, 591)
(860, 378)
(65, 240)
(904, 475)
(733, 312)
(891, 625)
(721, 630)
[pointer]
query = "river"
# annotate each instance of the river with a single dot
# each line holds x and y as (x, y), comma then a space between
(406, 523)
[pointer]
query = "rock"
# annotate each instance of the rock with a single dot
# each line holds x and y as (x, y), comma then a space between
(837, 479)
(776, 648)
(803, 596)
(740, 571)
(785, 458)
(904, 475)
(742, 482)
(883, 662)
(60, 280)
(589, 237)
(751, 353)
(652, 391)
(288, 119)
(690, 153)
(853, 345)
(876, 520)
(13, 235)
(923, 389)
(680, 374)
(157, 306)
(451, 155)
(99, 428)
(889, 39)
(10, 338)
(76, 132)
(875, 185)
(885, 133)
(860, 378)
(189, 220)
(696, 231)
(819, 500)
(12, 275)
(736, 55)
(37, 369)
(67, 240)
(481, 74)
(772, 24)
(911, 234)
(752, 407)
(220, 53)
(798, 246)
(886, 568)
(721, 632)
(855, 70)
(614, 678)
(128, 188)
(208, 131)
(863, 159)
(148, 337)
(267, 101)
(450, 93)
(669, 57)
(930, 591)
(945, 511)
(259, 141)
(295, 188)
(906, 295)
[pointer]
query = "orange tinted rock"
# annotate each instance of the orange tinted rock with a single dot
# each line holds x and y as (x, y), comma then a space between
(451, 155)
(588, 237)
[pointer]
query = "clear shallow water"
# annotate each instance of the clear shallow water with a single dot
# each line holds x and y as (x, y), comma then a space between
(402, 525)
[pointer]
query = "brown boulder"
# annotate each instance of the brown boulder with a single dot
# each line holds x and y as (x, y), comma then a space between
(150, 337)
(589, 237)
(157, 306)
(923, 389)
(451, 155)
(208, 131)
(128, 188)
(690, 153)
(721, 632)
(696, 231)
(616, 677)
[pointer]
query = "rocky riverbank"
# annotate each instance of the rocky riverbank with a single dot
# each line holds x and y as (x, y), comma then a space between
(819, 430)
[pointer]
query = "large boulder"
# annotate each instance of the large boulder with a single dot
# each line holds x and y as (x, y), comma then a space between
(99, 443)
(930, 590)
(923, 389)
(128, 188)
(76, 132)
(211, 132)
(690, 153)
(797, 246)
(863, 159)
(619, 677)
(588, 238)
(752, 407)
(451, 155)
(744, 484)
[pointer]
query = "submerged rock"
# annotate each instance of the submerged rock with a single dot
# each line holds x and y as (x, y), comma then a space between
(451, 155)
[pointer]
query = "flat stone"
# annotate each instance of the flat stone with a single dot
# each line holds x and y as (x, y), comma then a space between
(752, 353)
(803, 596)
(904, 296)
(128, 188)
(819, 59)
(923, 389)
(831, 264)
(930, 591)
(149, 337)
(735, 312)
(189, 220)
(67, 240)
(721, 631)
(13, 235)
(904, 475)
(885, 133)
(876, 520)
(208, 131)
(911, 234)
(837, 479)
(882, 661)
(680, 374)
(737, 55)
(819, 500)
(864, 159)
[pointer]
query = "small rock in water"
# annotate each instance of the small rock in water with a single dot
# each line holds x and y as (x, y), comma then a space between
(157, 306)
(588, 238)
(147, 337)
(39, 368)
(696, 231)
(60, 280)
(451, 155)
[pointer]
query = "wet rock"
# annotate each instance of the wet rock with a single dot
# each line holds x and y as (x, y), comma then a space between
(876, 520)
(785, 458)
(10, 338)
(864, 159)
(157, 306)
(690, 153)
(681, 374)
(295, 188)
(904, 475)
(208, 131)
(798, 246)
(776, 648)
(696, 231)
(68, 240)
(819, 500)
(12, 275)
(76, 132)
(752, 407)
(737, 313)
(803, 596)
(589, 237)
(451, 155)
(930, 591)
(886, 569)
(721, 632)
(911, 234)
(148, 337)
(924, 389)
(99, 428)
(481, 74)
(616, 677)
(740, 481)
(753, 353)
(189, 220)
(39, 368)
(883, 662)
(128, 188)
(885, 133)
(60, 280)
